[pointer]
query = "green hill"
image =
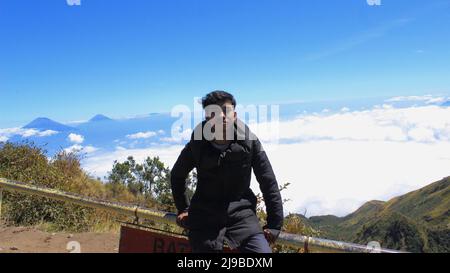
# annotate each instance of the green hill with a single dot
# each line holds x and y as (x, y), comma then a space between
(418, 221)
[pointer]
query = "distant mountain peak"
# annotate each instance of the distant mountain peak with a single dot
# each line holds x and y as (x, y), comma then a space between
(43, 123)
(100, 117)
(42, 119)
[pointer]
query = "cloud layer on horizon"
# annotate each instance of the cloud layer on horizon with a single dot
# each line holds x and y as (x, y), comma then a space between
(337, 161)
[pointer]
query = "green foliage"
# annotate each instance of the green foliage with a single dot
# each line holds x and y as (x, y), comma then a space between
(28, 163)
(345, 228)
(298, 224)
(148, 182)
(395, 231)
(140, 179)
(439, 240)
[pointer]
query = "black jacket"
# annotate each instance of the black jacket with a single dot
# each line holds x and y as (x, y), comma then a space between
(223, 198)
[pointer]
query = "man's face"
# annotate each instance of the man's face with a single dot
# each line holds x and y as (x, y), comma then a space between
(222, 114)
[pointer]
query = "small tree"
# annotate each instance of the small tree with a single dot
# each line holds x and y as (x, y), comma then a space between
(150, 180)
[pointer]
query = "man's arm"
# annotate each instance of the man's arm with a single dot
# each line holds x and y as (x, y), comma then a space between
(178, 175)
(269, 187)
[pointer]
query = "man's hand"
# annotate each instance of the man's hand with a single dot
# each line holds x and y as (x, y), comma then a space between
(182, 219)
(270, 237)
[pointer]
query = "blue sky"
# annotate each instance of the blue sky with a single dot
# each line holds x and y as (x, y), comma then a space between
(124, 58)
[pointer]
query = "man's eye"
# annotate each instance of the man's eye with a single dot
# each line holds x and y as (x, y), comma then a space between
(226, 110)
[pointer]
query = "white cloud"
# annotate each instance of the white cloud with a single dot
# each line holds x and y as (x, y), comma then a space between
(77, 122)
(77, 148)
(101, 164)
(47, 133)
(384, 123)
(343, 174)
(336, 162)
(75, 138)
(120, 148)
(74, 148)
(90, 149)
(7, 133)
(178, 137)
(29, 132)
(428, 99)
(142, 135)
(421, 134)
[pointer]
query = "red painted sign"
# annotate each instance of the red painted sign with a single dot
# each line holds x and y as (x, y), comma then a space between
(142, 240)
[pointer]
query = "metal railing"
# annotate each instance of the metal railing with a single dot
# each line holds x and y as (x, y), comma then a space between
(287, 239)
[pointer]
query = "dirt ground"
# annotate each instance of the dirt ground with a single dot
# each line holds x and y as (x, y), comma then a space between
(32, 240)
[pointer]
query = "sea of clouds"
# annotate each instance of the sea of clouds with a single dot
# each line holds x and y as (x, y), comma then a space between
(336, 161)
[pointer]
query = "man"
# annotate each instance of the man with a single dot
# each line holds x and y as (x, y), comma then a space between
(223, 208)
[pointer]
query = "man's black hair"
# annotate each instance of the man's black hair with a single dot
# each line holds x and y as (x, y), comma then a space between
(218, 97)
